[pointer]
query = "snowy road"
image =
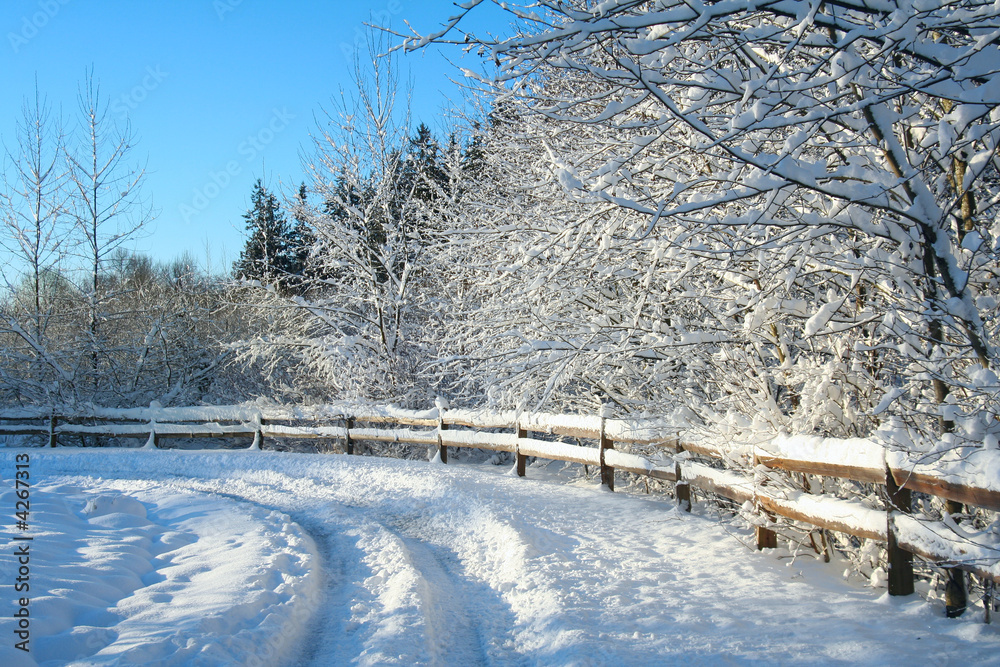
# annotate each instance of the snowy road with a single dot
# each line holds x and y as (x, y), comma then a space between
(265, 558)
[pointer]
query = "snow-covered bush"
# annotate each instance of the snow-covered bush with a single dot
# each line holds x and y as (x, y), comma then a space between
(815, 182)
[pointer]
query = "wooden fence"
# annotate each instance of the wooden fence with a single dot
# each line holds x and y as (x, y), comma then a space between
(740, 474)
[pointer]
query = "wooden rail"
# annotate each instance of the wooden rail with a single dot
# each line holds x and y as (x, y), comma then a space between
(734, 474)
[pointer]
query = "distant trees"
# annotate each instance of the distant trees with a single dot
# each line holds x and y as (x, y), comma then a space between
(301, 237)
(422, 176)
(166, 340)
(160, 337)
(339, 289)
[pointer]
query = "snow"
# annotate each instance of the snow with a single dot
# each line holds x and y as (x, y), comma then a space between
(860, 520)
(968, 466)
(853, 452)
(818, 322)
(617, 459)
(506, 442)
(937, 538)
(237, 557)
(560, 450)
(145, 572)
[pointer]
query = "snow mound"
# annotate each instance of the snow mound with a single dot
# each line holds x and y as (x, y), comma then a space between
(156, 575)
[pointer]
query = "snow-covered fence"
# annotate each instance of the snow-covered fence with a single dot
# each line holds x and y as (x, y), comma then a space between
(738, 472)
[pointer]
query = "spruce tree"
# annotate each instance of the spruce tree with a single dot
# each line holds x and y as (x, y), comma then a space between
(268, 255)
(423, 175)
(301, 237)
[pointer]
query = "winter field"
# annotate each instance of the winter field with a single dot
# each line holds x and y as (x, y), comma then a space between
(214, 557)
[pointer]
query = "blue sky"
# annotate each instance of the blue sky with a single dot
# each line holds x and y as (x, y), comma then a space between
(206, 85)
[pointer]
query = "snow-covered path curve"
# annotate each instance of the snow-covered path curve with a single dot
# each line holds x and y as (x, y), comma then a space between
(431, 564)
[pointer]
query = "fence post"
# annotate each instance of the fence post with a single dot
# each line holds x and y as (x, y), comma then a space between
(349, 444)
(258, 432)
(154, 439)
(607, 472)
(766, 538)
(522, 460)
(681, 488)
(956, 595)
(989, 593)
(442, 448)
(900, 561)
(52, 431)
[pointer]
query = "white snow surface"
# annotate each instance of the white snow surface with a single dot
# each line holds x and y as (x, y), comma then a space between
(971, 466)
(855, 452)
(222, 557)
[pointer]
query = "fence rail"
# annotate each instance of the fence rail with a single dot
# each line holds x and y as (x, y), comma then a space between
(740, 473)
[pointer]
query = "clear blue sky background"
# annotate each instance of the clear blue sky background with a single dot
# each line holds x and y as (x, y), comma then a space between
(200, 79)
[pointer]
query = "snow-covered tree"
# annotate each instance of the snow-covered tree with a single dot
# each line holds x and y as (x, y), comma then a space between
(814, 186)
(830, 168)
(108, 206)
(36, 237)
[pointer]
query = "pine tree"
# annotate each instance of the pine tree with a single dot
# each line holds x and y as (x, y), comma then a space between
(301, 237)
(474, 156)
(268, 256)
(422, 172)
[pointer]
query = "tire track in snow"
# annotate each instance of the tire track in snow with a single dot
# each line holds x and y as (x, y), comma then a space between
(449, 606)
(395, 581)
(451, 629)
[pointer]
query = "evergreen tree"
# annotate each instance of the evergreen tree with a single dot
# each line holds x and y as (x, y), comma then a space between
(354, 202)
(301, 236)
(423, 176)
(268, 255)
(474, 156)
